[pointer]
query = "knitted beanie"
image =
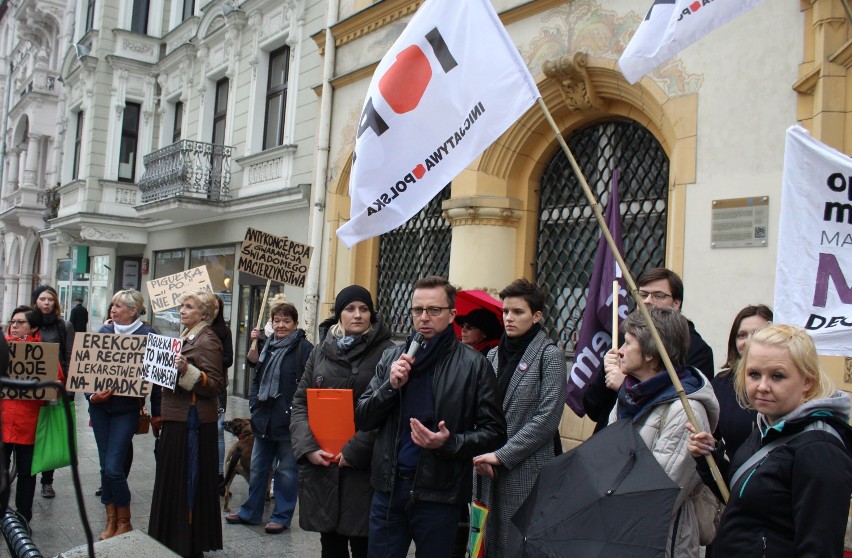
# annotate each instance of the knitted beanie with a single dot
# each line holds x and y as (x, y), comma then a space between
(350, 294)
(40, 290)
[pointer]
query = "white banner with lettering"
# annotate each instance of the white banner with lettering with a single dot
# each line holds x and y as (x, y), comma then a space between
(813, 277)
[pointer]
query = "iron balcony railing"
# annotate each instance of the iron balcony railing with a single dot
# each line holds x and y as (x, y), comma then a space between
(187, 167)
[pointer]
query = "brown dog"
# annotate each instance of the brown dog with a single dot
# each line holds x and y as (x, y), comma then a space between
(238, 458)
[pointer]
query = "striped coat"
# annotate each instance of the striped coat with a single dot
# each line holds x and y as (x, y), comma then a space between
(533, 407)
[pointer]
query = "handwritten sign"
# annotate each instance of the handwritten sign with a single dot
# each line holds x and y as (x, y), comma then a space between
(275, 258)
(101, 361)
(32, 361)
(158, 366)
(165, 291)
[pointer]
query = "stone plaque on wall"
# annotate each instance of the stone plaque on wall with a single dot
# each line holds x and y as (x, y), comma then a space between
(740, 222)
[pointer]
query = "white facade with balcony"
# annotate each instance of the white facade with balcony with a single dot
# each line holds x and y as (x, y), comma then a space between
(34, 35)
(181, 124)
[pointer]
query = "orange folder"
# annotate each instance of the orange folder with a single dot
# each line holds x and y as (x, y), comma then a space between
(331, 416)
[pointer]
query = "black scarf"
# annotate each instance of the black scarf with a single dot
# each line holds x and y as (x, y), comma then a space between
(509, 354)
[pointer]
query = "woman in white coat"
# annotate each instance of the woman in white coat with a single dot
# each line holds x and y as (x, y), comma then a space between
(648, 399)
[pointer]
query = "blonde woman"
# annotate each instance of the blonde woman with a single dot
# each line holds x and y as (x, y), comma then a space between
(185, 506)
(791, 479)
(115, 419)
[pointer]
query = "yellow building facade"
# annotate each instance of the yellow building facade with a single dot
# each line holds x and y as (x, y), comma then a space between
(719, 111)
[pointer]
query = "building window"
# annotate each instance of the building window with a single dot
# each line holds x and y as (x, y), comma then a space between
(188, 9)
(419, 247)
(166, 263)
(129, 140)
(78, 144)
(139, 17)
(276, 98)
(220, 112)
(177, 132)
(568, 232)
(90, 15)
(219, 262)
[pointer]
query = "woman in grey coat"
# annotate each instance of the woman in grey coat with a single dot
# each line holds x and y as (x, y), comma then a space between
(334, 490)
(531, 374)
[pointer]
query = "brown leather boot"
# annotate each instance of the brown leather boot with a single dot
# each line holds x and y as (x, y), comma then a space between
(109, 530)
(123, 523)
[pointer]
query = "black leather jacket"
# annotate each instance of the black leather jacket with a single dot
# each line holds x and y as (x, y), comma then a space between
(465, 395)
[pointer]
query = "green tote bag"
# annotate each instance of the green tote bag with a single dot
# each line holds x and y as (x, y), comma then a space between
(51, 449)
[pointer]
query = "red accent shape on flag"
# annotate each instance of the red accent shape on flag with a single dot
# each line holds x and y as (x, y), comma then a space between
(404, 84)
(695, 6)
(419, 171)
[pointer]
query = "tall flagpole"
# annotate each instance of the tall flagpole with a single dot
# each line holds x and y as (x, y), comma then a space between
(631, 285)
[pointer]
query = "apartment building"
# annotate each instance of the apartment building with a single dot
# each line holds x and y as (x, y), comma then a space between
(181, 123)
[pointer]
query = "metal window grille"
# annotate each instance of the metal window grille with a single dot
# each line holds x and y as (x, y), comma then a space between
(418, 248)
(568, 232)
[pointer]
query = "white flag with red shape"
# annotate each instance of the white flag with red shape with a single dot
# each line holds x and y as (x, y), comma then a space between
(673, 25)
(447, 89)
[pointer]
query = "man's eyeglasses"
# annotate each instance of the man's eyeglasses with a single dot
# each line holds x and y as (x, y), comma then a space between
(468, 327)
(433, 311)
(19, 322)
(656, 295)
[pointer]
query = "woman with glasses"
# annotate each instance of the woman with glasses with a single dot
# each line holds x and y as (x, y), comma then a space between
(20, 416)
(531, 374)
(280, 363)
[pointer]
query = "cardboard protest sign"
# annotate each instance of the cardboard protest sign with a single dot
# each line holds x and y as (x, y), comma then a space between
(32, 361)
(164, 292)
(158, 366)
(275, 258)
(101, 361)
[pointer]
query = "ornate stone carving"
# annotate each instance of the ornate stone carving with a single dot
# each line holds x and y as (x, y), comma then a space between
(134, 46)
(495, 216)
(578, 90)
(126, 196)
(93, 233)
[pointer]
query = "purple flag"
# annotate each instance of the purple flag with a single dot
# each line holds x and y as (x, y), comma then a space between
(595, 337)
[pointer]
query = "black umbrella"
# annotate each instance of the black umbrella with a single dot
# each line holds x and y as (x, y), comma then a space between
(193, 423)
(607, 497)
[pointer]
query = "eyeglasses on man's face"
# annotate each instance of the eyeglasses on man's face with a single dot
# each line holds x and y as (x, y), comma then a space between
(18, 322)
(433, 311)
(656, 295)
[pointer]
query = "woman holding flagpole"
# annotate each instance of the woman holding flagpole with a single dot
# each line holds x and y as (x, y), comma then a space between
(185, 505)
(280, 363)
(115, 419)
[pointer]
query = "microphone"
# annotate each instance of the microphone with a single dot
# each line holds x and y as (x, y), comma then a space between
(416, 341)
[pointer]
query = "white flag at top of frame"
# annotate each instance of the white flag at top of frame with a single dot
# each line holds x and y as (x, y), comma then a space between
(673, 25)
(447, 89)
